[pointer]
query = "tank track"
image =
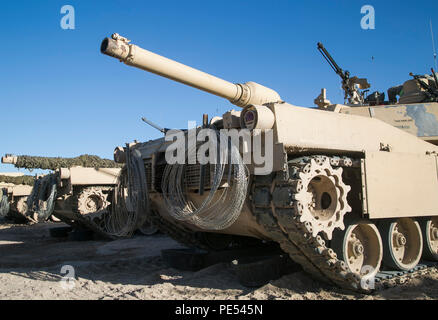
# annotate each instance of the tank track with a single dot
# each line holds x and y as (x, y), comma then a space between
(177, 232)
(80, 221)
(189, 238)
(275, 209)
(388, 279)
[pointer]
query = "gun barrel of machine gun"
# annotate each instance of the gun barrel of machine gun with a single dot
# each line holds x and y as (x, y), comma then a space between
(153, 124)
(331, 61)
(344, 75)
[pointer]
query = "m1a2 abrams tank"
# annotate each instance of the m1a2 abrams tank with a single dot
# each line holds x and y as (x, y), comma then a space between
(346, 197)
(15, 190)
(77, 192)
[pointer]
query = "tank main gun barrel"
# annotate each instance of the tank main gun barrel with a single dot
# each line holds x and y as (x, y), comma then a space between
(242, 95)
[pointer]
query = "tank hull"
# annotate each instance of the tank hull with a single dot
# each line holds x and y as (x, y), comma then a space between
(372, 141)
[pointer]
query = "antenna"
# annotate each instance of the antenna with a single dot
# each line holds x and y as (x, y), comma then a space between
(433, 45)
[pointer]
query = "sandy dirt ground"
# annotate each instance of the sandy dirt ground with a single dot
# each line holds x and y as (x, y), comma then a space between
(31, 263)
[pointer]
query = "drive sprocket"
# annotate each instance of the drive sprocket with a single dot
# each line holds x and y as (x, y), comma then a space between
(321, 195)
(92, 202)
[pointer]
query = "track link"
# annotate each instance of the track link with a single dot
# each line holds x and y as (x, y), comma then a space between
(79, 221)
(177, 232)
(389, 279)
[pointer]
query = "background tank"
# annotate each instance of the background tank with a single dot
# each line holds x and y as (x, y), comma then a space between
(77, 192)
(16, 188)
(346, 196)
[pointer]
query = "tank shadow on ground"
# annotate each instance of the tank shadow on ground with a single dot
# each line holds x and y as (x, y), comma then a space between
(30, 246)
(29, 252)
(297, 285)
(142, 272)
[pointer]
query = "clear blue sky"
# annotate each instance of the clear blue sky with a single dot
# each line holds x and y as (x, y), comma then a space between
(61, 97)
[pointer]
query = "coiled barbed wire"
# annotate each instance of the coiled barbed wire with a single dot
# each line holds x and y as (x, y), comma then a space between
(222, 206)
(4, 203)
(130, 204)
(41, 201)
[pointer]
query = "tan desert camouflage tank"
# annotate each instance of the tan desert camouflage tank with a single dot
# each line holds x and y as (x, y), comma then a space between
(352, 199)
(15, 192)
(74, 194)
(78, 192)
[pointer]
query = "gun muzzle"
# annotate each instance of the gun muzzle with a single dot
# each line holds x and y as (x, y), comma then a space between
(10, 159)
(241, 95)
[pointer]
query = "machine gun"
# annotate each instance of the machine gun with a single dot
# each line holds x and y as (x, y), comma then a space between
(431, 93)
(350, 85)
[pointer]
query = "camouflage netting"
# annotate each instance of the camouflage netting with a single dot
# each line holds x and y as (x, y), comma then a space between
(27, 180)
(47, 163)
